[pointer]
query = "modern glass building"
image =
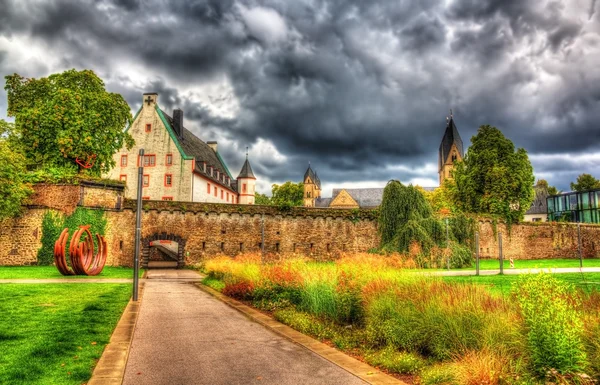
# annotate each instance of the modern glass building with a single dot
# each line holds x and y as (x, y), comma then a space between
(574, 206)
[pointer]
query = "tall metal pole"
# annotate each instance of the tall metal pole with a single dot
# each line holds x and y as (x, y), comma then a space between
(579, 244)
(262, 238)
(138, 226)
(448, 243)
(477, 253)
(500, 256)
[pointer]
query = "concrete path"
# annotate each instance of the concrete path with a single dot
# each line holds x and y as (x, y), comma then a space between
(185, 336)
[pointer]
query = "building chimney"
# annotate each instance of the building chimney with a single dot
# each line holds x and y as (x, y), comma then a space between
(212, 144)
(178, 122)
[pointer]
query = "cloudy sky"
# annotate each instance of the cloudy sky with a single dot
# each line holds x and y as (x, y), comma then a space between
(361, 89)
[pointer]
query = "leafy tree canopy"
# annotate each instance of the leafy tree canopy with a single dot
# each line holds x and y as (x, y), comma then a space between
(68, 116)
(440, 199)
(261, 199)
(585, 182)
(288, 194)
(493, 178)
(543, 183)
(13, 188)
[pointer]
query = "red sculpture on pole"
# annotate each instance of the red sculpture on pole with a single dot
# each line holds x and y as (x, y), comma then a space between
(81, 253)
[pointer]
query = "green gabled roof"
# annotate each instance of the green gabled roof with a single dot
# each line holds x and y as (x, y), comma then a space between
(224, 166)
(172, 133)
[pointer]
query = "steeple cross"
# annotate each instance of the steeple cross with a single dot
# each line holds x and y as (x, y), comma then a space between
(148, 100)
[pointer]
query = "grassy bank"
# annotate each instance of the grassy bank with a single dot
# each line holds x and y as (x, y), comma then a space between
(440, 330)
(55, 333)
(50, 272)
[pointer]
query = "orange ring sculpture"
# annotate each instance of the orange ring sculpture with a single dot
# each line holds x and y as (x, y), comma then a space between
(81, 253)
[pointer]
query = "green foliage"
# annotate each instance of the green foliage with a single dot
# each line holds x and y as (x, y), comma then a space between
(460, 256)
(462, 228)
(585, 182)
(493, 178)
(214, 283)
(14, 189)
(68, 116)
(395, 361)
(554, 326)
(288, 194)
(440, 199)
(402, 216)
(54, 223)
(52, 226)
(261, 199)
(439, 375)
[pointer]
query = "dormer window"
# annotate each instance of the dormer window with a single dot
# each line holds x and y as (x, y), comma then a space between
(204, 166)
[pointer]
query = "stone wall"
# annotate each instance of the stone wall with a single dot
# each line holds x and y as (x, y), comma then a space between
(539, 240)
(210, 229)
(221, 229)
(20, 237)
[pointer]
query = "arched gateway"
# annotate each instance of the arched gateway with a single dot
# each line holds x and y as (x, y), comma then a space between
(169, 247)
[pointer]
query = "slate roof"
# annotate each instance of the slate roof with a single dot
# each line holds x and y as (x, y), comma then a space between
(365, 197)
(539, 204)
(195, 147)
(313, 176)
(322, 202)
(246, 171)
(451, 136)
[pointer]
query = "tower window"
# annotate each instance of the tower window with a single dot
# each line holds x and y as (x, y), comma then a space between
(148, 127)
(308, 194)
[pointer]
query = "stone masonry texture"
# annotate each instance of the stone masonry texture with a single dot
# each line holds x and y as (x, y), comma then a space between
(209, 229)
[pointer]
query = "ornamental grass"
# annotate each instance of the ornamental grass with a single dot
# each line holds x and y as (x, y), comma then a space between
(442, 331)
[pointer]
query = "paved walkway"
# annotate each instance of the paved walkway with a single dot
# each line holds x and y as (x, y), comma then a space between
(185, 336)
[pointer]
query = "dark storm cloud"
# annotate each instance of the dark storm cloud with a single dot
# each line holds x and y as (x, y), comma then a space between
(353, 86)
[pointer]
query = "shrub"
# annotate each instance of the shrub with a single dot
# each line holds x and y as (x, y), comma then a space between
(481, 368)
(395, 361)
(439, 375)
(554, 326)
(52, 226)
(240, 290)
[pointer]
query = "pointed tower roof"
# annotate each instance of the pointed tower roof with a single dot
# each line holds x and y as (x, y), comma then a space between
(451, 136)
(313, 176)
(246, 169)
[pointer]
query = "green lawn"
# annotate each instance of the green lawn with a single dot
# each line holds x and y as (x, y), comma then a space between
(44, 272)
(55, 333)
(503, 283)
(492, 264)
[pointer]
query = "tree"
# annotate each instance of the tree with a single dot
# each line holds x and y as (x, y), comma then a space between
(13, 188)
(543, 183)
(68, 118)
(439, 199)
(493, 178)
(288, 194)
(585, 182)
(261, 199)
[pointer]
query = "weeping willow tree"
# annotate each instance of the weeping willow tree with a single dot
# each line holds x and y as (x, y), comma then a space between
(405, 218)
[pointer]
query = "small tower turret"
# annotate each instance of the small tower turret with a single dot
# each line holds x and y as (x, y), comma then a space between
(246, 183)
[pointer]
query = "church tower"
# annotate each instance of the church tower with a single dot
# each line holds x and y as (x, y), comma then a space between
(312, 187)
(246, 183)
(451, 150)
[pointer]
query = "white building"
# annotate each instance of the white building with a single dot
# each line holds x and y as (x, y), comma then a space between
(178, 165)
